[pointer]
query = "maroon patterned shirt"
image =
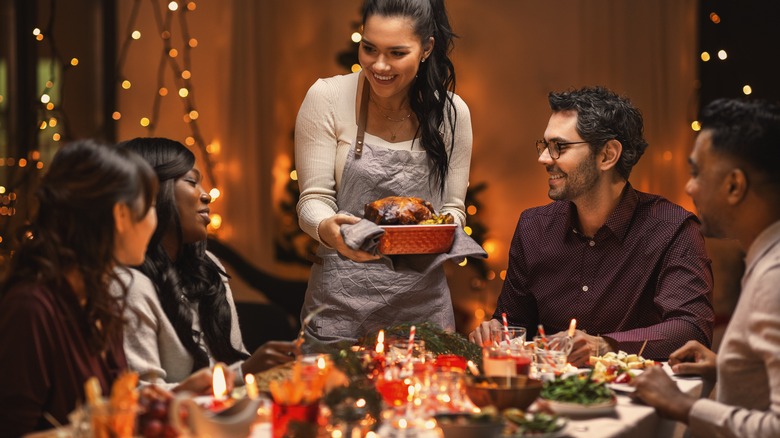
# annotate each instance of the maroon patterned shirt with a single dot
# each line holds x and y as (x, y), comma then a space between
(644, 275)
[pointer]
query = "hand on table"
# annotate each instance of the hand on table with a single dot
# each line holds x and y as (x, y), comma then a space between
(694, 358)
(330, 234)
(584, 346)
(269, 355)
(481, 335)
(657, 389)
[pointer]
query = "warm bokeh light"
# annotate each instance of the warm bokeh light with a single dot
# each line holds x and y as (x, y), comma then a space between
(144, 121)
(214, 147)
(45, 98)
(126, 84)
(183, 92)
(214, 193)
(173, 53)
(471, 209)
(56, 136)
(35, 155)
(49, 106)
(696, 126)
(216, 221)
(715, 18)
(2, 190)
(52, 122)
(136, 35)
(294, 175)
(185, 74)
(479, 314)
(163, 91)
(722, 54)
(467, 229)
(747, 89)
(36, 31)
(39, 165)
(356, 68)
(491, 275)
(705, 56)
(116, 115)
(194, 115)
(165, 35)
(191, 6)
(193, 42)
(189, 141)
(44, 125)
(173, 6)
(489, 246)
(74, 61)
(464, 262)
(667, 155)
(356, 37)
(22, 162)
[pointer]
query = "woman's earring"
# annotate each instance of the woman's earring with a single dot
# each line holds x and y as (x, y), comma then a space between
(422, 60)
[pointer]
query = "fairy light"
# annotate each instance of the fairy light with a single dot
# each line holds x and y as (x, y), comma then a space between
(294, 175)
(163, 91)
(136, 35)
(116, 115)
(491, 275)
(186, 74)
(144, 121)
(189, 141)
(214, 193)
(467, 229)
(464, 262)
(705, 56)
(56, 136)
(126, 84)
(696, 126)
(22, 162)
(45, 98)
(50, 106)
(502, 274)
(192, 43)
(173, 6)
(216, 221)
(356, 37)
(194, 115)
(715, 18)
(722, 55)
(356, 68)
(36, 31)
(74, 61)
(747, 89)
(173, 53)
(183, 92)
(191, 6)
(471, 210)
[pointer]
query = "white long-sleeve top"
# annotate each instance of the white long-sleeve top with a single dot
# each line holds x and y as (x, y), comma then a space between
(325, 130)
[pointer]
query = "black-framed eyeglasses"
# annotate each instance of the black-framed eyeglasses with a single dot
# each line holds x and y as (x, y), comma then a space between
(554, 147)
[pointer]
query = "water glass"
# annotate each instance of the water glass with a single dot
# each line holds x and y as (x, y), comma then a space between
(510, 335)
(552, 354)
(506, 361)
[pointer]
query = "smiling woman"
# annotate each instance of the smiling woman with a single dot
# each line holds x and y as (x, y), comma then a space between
(182, 318)
(59, 323)
(396, 128)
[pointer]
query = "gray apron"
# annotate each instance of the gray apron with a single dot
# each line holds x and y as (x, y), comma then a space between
(361, 298)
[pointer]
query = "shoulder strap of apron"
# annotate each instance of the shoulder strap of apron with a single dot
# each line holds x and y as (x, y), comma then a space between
(362, 119)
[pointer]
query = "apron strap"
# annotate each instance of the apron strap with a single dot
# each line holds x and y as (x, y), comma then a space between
(362, 118)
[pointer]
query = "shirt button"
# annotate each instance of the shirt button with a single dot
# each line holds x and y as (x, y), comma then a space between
(584, 288)
(592, 243)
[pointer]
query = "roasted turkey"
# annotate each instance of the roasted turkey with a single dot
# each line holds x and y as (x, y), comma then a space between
(402, 210)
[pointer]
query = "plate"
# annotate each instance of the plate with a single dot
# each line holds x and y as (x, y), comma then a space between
(577, 409)
(621, 387)
(560, 431)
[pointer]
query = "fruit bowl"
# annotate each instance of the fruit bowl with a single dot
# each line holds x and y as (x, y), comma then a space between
(503, 392)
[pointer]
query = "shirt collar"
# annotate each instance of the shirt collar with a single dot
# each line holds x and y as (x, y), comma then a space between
(619, 220)
(763, 243)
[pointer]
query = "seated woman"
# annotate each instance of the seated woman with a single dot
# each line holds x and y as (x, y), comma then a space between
(182, 316)
(59, 322)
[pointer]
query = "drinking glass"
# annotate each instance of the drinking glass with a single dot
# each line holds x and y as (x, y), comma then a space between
(512, 335)
(506, 360)
(552, 354)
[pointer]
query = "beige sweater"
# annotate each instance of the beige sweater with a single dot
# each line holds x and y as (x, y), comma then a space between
(324, 132)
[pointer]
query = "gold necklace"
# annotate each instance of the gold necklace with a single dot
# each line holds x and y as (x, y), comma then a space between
(401, 120)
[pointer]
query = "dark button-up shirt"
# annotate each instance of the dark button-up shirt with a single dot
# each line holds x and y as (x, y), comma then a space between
(644, 275)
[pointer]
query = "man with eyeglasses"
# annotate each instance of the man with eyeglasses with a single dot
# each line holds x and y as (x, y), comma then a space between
(629, 266)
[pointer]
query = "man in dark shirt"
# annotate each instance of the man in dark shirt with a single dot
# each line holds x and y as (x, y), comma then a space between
(629, 266)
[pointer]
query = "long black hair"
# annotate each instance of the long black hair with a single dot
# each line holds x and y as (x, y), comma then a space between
(194, 277)
(74, 229)
(430, 95)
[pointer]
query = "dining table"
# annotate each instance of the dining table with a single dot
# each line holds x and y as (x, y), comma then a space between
(633, 419)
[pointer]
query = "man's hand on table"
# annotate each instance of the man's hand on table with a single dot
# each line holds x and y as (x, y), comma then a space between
(657, 389)
(694, 358)
(481, 334)
(585, 346)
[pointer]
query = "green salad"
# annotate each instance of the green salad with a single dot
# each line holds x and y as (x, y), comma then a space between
(578, 389)
(530, 424)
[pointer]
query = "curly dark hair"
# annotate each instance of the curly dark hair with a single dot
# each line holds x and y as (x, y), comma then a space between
(430, 95)
(747, 130)
(193, 276)
(602, 115)
(74, 229)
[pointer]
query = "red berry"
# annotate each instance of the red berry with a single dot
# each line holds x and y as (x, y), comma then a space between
(153, 429)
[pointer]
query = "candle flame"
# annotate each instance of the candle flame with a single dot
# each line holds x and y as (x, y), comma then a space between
(321, 363)
(218, 383)
(572, 327)
(380, 342)
(251, 386)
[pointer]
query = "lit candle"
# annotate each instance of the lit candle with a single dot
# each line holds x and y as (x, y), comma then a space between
(251, 386)
(572, 327)
(219, 389)
(380, 342)
(473, 368)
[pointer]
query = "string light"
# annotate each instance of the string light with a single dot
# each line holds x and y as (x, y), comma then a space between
(214, 193)
(467, 229)
(722, 55)
(747, 89)
(74, 61)
(173, 6)
(136, 35)
(705, 56)
(715, 18)
(696, 126)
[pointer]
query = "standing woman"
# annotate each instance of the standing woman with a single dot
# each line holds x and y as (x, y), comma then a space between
(394, 128)
(59, 322)
(182, 318)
